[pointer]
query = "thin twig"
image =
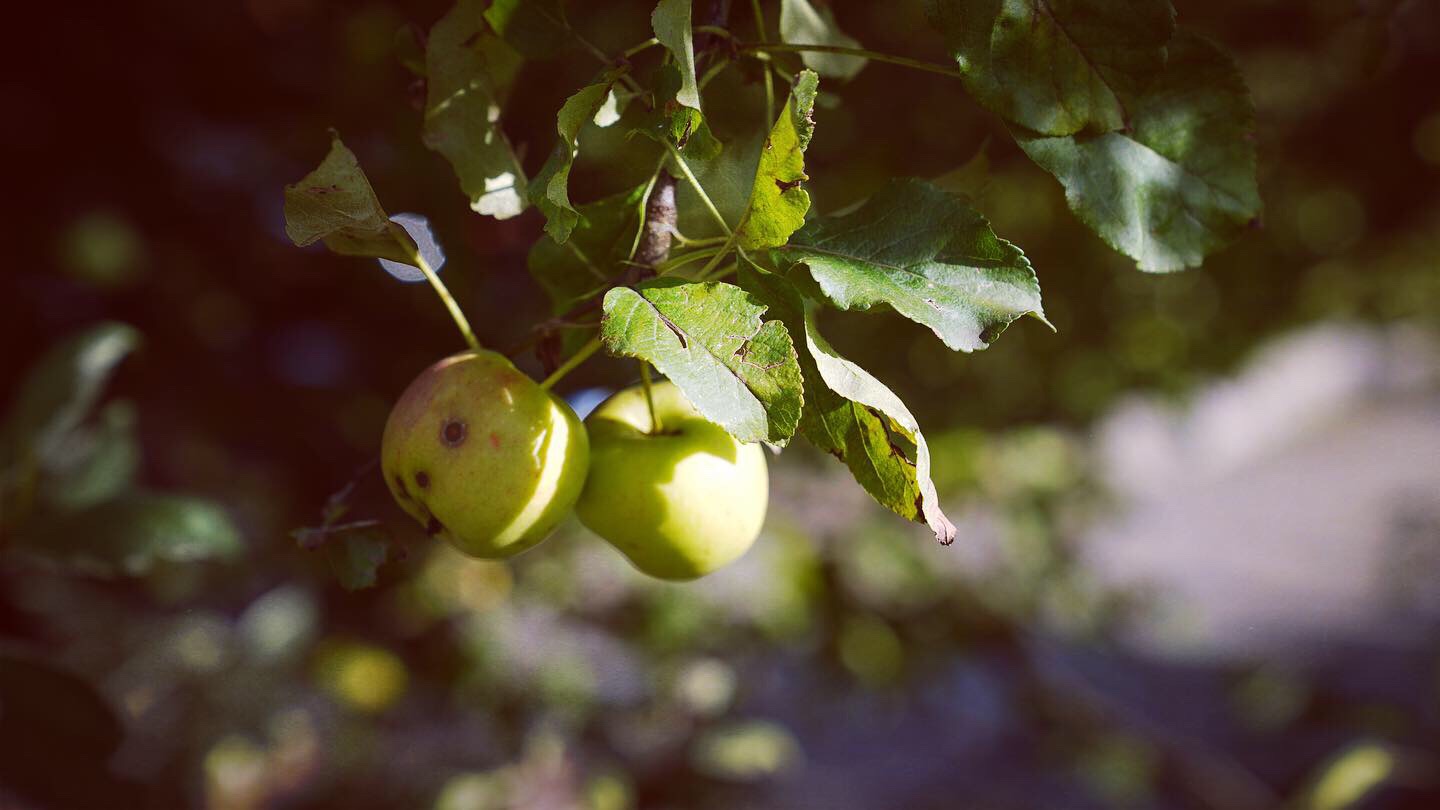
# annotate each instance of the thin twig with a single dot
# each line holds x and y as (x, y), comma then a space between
(785, 47)
(659, 229)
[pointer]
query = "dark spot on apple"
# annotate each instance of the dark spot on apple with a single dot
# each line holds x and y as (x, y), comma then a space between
(452, 433)
(434, 527)
(422, 479)
(495, 440)
(400, 490)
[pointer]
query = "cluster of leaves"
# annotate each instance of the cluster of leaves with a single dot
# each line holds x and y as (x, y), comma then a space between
(1146, 127)
(68, 492)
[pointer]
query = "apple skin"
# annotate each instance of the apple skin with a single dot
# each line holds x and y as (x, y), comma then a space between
(482, 456)
(679, 504)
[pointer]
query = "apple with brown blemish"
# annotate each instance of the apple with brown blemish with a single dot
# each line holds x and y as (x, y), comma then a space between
(483, 456)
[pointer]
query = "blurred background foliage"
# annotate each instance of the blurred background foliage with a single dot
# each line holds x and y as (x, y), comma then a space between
(846, 662)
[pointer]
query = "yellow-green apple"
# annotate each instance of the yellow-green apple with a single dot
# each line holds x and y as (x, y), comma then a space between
(483, 456)
(680, 501)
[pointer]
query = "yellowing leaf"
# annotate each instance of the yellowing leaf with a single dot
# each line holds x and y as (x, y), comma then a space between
(778, 202)
(470, 71)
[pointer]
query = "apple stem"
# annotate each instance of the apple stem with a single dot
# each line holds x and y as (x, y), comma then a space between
(570, 365)
(445, 297)
(650, 398)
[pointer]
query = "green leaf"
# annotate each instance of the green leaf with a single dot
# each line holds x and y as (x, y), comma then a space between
(550, 190)
(927, 254)
(61, 390)
(335, 204)
(1180, 183)
(128, 535)
(535, 28)
(726, 171)
(95, 462)
(1056, 67)
(852, 416)
(613, 109)
(671, 22)
(803, 24)
(708, 338)
(604, 238)
(355, 556)
(673, 122)
(470, 73)
(778, 203)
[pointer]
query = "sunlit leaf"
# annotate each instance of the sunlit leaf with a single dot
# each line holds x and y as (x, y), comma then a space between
(671, 22)
(708, 338)
(335, 204)
(470, 73)
(62, 388)
(603, 239)
(928, 255)
(778, 202)
(853, 416)
(1056, 67)
(801, 23)
(130, 534)
(550, 190)
(614, 107)
(1180, 182)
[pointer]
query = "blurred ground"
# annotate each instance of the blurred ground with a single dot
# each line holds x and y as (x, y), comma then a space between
(1290, 508)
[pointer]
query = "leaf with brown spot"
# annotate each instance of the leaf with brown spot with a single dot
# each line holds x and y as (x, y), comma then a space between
(335, 204)
(853, 416)
(778, 204)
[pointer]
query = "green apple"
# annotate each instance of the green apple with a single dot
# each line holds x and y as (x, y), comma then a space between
(679, 502)
(483, 456)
